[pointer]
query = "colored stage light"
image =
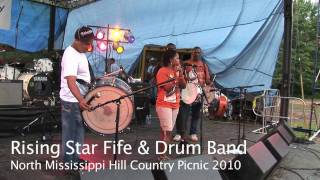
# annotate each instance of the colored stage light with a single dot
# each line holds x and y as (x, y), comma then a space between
(102, 45)
(90, 48)
(100, 35)
(131, 39)
(116, 34)
(120, 49)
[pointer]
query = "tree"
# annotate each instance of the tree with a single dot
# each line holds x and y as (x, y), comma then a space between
(304, 33)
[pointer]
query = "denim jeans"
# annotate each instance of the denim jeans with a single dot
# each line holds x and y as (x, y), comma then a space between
(195, 115)
(182, 119)
(72, 129)
(183, 116)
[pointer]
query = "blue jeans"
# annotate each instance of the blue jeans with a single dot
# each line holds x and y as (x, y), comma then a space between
(195, 115)
(72, 129)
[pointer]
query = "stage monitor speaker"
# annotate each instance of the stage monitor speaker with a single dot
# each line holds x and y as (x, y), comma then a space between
(255, 164)
(286, 133)
(183, 169)
(127, 174)
(10, 93)
(277, 146)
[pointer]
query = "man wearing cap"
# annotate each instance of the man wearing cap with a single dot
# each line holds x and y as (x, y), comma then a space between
(74, 65)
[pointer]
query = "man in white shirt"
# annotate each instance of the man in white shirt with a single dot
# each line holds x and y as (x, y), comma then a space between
(74, 65)
(114, 67)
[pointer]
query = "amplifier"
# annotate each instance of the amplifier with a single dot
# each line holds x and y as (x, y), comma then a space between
(11, 93)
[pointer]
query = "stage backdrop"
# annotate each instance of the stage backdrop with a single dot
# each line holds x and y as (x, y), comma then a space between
(29, 27)
(5, 14)
(240, 38)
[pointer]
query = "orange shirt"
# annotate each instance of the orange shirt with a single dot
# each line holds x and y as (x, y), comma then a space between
(201, 69)
(164, 99)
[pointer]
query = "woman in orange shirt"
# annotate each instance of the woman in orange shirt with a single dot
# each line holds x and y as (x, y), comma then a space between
(168, 96)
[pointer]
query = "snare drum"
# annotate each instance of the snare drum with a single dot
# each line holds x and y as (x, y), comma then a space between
(35, 85)
(102, 119)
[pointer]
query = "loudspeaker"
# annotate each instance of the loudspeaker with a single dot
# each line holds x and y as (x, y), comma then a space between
(127, 174)
(185, 169)
(11, 93)
(255, 164)
(286, 133)
(277, 146)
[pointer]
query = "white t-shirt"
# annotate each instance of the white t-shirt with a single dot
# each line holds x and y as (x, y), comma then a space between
(73, 64)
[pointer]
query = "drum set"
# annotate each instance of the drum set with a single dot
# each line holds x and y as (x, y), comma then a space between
(36, 81)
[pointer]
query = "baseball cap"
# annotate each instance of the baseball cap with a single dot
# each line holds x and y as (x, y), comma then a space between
(84, 34)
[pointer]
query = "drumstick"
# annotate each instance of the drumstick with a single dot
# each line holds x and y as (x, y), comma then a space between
(97, 95)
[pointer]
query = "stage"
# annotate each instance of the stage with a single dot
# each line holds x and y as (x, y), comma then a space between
(303, 159)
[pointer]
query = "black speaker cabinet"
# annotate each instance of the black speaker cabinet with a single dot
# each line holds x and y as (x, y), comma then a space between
(277, 146)
(180, 173)
(127, 174)
(286, 133)
(255, 164)
(10, 93)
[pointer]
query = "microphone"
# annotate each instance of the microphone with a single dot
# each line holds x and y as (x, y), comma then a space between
(187, 64)
(97, 95)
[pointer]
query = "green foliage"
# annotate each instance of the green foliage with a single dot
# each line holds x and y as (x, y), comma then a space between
(304, 32)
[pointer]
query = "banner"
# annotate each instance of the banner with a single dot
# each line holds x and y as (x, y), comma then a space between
(5, 14)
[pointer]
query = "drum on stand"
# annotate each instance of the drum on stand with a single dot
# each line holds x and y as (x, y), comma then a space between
(102, 119)
(35, 85)
(9, 72)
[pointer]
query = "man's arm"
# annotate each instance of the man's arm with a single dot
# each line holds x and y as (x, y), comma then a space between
(71, 80)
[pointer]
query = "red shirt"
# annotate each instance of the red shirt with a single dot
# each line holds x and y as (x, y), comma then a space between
(167, 99)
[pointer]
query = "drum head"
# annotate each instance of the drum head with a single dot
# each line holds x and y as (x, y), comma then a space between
(189, 94)
(102, 120)
(114, 82)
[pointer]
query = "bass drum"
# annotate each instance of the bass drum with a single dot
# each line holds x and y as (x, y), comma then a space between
(35, 85)
(102, 119)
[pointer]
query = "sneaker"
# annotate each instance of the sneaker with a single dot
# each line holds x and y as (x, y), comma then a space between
(193, 137)
(177, 137)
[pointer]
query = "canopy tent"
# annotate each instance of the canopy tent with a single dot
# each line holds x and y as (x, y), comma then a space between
(30, 26)
(240, 39)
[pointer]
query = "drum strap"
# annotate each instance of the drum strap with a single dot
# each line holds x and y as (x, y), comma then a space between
(92, 77)
(84, 83)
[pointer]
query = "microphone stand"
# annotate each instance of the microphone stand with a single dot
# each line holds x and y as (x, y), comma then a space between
(117, 101)
(242, 92)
